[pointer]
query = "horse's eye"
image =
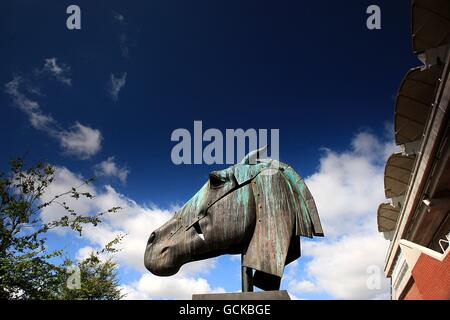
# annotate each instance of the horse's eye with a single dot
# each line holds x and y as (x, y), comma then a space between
(215, 181)
(152, 238)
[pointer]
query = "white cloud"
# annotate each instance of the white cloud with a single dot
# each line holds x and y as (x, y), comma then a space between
(41, 121)
(136, 222)
(109, 168)
(116, 84)
(60, 72)
(30, 107)
(81, 140)
(63, 181)
(122, 36)
(302, 286)
(123, 41)
(175, 287)
(85, 252)
(347, 189)
(19, 99)
(382, 296)
(342, 268)
(119, 17)
(349, 185)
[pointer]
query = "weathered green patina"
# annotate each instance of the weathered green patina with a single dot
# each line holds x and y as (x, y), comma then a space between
(258, 208)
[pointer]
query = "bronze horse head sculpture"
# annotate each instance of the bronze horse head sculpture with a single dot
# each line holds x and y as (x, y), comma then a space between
(258, 208)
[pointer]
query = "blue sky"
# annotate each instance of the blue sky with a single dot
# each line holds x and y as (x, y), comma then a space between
(308, 68)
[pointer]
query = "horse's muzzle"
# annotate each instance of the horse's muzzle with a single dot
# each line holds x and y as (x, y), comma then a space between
(157, 260)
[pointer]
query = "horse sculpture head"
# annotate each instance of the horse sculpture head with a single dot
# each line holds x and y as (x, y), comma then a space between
(258, 208)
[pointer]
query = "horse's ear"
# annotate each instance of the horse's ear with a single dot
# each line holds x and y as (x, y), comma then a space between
(270, 244)
(252, 156)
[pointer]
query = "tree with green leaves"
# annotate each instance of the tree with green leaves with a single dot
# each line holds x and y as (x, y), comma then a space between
(27, 269)
(97, 279)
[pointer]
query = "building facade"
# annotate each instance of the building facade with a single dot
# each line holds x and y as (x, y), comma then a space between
(416, 218)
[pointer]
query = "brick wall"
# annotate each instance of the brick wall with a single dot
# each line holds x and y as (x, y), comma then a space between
(413, 293)
(431, 279)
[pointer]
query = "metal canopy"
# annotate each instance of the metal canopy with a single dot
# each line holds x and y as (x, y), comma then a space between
(396, 174)
(414, 101)
(430, 24)
(387, 217)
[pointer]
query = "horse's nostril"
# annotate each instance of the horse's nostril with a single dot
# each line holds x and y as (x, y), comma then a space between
(152, 238)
